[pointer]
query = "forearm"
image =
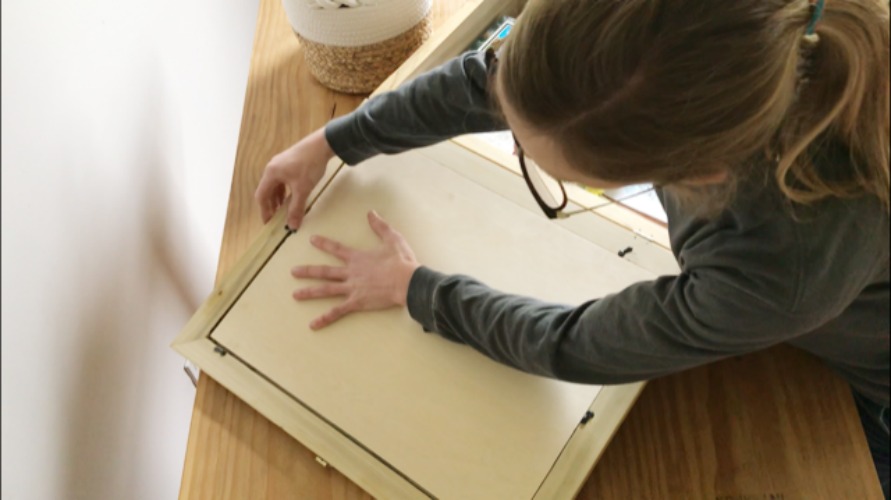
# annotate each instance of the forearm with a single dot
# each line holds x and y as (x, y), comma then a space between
(445, 102)
(517, 331)
(647, 330)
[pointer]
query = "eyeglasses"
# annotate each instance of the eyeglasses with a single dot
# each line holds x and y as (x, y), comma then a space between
(549, 193)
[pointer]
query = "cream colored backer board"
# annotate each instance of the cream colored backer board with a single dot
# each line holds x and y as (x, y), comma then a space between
(448, 418)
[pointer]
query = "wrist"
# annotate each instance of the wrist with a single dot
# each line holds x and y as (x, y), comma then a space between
(315, 146)
(404, 282)
(322, 145)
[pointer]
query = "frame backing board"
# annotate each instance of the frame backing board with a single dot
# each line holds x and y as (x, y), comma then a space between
(448, 420)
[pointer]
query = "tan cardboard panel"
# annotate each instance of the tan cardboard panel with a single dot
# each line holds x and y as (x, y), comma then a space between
(451, 420)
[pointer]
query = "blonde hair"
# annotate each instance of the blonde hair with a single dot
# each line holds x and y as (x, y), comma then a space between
(666, 91)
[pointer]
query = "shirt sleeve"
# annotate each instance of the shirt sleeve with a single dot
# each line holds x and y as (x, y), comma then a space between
(448, 101)
(749, 279)
(647, 330)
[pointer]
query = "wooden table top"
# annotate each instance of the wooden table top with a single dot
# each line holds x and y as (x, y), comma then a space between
(770, 425)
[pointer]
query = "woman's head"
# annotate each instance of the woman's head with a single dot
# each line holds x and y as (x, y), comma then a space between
(689, 91)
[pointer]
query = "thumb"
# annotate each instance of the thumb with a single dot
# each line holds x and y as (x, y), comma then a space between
(379, 226)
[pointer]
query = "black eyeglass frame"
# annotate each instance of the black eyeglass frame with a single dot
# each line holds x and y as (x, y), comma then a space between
(549, 211)
(491, 61)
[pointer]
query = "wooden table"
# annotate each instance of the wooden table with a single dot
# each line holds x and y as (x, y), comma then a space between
(776, 424)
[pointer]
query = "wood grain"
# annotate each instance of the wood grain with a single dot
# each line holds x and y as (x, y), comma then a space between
(776, 422)
(233, 451)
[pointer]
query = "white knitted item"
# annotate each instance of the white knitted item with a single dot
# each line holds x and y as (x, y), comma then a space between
(357, 23)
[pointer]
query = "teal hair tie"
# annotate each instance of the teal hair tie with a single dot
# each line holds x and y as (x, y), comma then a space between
(815, 17)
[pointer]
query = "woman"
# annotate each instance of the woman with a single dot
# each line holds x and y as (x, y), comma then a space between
(765, 126)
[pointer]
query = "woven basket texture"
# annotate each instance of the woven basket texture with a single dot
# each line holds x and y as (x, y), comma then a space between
(360, 69)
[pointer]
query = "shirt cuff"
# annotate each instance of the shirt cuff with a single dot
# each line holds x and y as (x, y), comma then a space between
(421, 300)
(347, 141)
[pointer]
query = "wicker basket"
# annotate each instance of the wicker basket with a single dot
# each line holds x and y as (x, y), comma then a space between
(354, 45)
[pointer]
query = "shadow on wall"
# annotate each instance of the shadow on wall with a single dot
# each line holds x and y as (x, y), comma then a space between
(129, 318)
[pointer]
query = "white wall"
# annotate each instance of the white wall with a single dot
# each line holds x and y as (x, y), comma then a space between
(119, 127)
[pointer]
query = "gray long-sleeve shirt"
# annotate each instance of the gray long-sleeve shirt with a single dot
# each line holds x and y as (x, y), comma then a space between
(752, 277)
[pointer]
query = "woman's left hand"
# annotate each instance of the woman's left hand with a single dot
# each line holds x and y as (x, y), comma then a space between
(368, 280)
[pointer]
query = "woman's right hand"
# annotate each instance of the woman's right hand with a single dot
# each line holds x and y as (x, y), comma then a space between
(295, 170)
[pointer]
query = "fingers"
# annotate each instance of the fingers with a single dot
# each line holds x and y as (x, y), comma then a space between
(297, 208)
(327, 290)
(321, 292)
(330, 273)
(333, 315)
(268, 196)
(332, 247)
